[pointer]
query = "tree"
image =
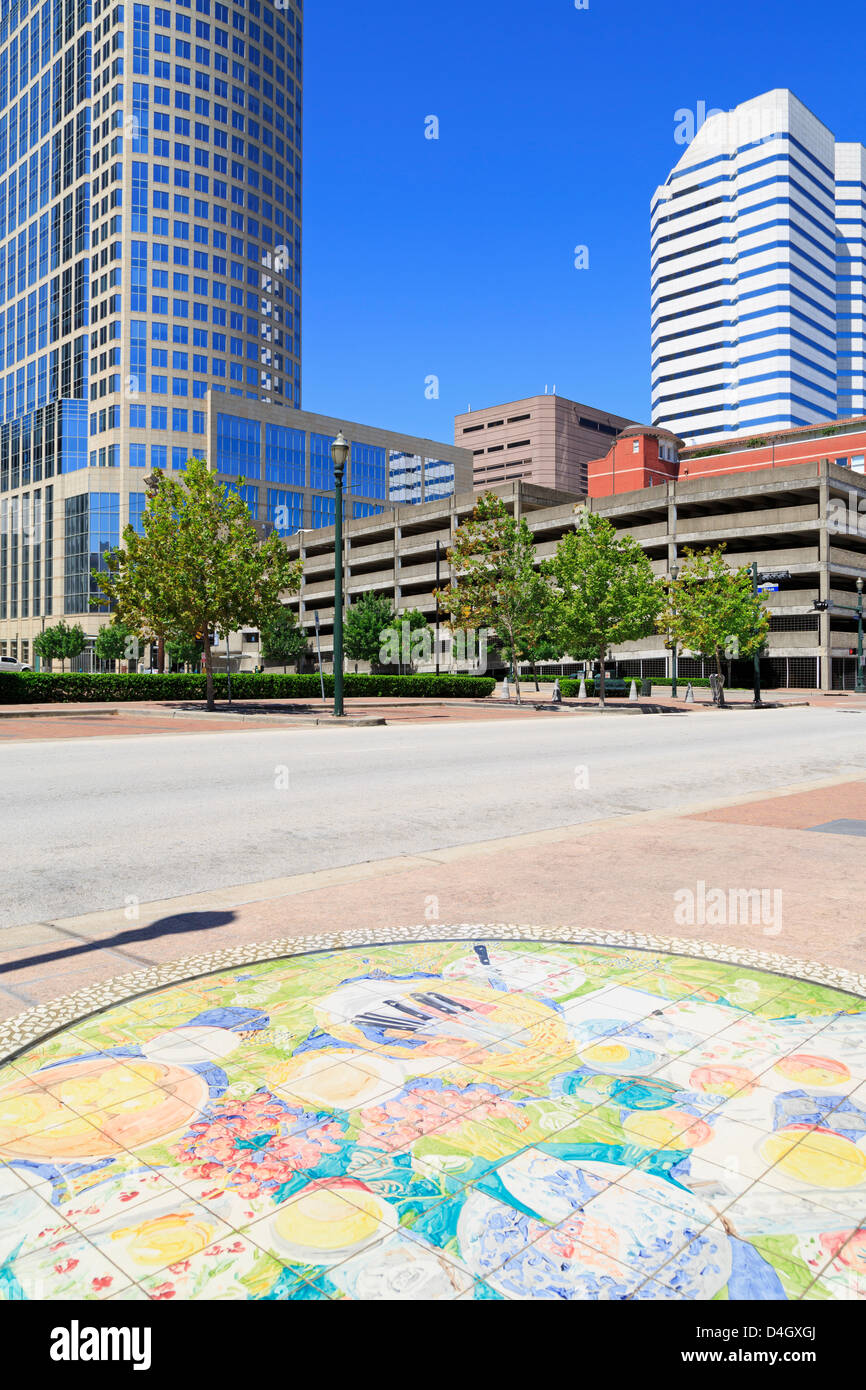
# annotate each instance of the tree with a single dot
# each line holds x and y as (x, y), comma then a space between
(536, 637)
(604, 591)
(414, 626)
(47, 645)
(407, 638)
(72, 641)
(199, 565)
(712, 610)
(494, 581)
(365, 622)
(60, 643)
(283, 640)
(182, 650)
(116, 642)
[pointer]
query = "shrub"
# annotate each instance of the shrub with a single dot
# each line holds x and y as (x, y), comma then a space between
(32, 688)
(571, 688)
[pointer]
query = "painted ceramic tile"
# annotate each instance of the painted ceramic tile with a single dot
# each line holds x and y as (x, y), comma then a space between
(439, 1120)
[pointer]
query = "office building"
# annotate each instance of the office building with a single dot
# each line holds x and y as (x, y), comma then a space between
(546, 440)
(758, 281)
(150, 256)
(284, 457)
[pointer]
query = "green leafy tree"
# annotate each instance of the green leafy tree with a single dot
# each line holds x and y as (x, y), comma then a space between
(420, 634)
(366, 620)
(536, 638)
(183, 651)
(60, 643)
(605, 592)
(283, 640)
(117, 642)
(407, 638)
(48, 645)
(495, 583)
(416, 619)
(199, 564)
(711, 609)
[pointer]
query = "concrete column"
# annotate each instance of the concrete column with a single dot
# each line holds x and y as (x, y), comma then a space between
(302, 555)
(824, 619)
(672, 523)
(672, 549)
(398, 536)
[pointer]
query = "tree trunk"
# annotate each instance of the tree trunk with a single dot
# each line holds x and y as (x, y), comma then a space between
(534, 673)
(160, 656)
(208, 668)
(515, 671)
(601, 675)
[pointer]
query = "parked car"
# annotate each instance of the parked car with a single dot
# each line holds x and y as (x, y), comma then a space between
(8, 663)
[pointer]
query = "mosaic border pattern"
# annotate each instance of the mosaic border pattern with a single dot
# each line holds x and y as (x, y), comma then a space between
(43, 1020)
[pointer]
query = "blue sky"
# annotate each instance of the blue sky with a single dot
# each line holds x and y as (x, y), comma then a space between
(454, 257)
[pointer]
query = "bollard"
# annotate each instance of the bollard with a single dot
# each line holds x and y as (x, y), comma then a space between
(690, 696)
(581, 694)
(557, 693)
(632, 694)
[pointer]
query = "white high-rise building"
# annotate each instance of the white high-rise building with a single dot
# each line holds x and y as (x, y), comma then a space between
(758, 309)
(851, 279)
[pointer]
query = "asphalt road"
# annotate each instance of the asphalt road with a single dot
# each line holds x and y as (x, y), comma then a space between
(88, 823)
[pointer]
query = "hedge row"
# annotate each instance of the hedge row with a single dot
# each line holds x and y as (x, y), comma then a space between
(697, 682)
(570, 687)
(38, 688)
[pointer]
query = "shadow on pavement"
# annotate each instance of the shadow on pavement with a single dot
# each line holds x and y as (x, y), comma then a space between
(183, 924)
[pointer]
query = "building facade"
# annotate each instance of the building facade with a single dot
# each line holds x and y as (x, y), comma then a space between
(546, 440)
(807, 520)
(150, 254)
(758, 276)
(644, 456)
(284, 457)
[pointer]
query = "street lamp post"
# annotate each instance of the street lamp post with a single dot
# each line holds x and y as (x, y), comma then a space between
(675, 570)
(438, 552)
(860, 685)
(339, 455)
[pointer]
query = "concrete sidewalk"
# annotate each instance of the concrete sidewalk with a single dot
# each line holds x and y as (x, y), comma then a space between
(632, 872)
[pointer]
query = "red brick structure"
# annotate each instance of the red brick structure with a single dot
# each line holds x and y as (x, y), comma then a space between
(643, 456)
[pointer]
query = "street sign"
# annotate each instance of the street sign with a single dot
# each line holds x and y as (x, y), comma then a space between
(768, 588)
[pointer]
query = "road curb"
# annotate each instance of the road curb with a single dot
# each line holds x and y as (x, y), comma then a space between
(60, 712)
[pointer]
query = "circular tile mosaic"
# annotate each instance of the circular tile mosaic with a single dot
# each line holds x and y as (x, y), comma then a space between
(475, 1118)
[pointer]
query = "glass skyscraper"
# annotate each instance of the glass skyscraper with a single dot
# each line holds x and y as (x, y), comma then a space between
(150, 253)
